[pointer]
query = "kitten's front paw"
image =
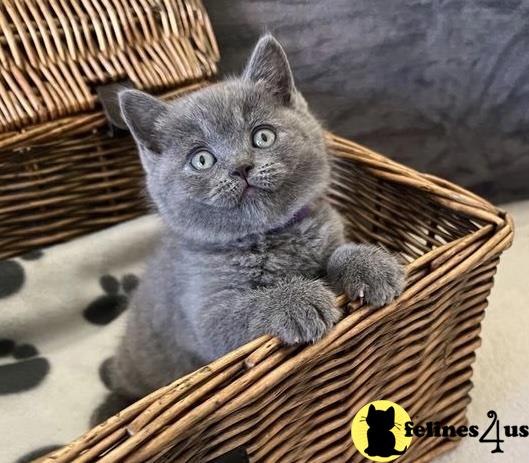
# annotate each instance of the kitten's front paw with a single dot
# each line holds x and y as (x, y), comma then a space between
(368, 272)
(303, 312)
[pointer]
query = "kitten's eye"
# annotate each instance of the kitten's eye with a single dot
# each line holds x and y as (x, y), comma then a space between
(203, 160)
(263, 137)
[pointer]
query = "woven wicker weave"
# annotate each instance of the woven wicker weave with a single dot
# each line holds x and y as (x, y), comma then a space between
(296, 404)
(62, 175)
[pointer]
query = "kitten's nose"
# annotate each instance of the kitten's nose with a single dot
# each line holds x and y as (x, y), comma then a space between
(242, 171)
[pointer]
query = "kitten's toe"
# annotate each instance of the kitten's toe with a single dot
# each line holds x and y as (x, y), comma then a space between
(301, 324)
(368, 273)
(305, 315)
(386, 283)
(316, 314)
(380, 294)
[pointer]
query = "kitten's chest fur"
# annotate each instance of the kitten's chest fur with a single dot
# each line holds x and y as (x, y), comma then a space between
(274, 256)
(258, 261)
(185, 278)
(261, 260)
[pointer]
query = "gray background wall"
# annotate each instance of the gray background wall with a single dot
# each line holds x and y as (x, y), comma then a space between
(442, 85)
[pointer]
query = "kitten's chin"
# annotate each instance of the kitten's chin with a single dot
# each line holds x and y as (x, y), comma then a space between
(214, 225)
(252, 198)
(255, 211)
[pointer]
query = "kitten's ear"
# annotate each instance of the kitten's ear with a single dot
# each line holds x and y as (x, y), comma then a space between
(141, 112)
(269, 64)
(371, 410)
(391, 413)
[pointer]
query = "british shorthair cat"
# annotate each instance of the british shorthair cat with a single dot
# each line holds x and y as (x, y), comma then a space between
(238, 172)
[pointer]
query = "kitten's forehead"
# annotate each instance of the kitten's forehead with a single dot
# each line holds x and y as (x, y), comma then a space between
(223, 108)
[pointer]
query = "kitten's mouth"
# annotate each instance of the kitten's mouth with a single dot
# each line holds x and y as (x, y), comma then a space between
(251, 193)
(249, 189)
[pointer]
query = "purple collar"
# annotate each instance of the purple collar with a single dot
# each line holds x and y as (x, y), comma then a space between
(299, 216)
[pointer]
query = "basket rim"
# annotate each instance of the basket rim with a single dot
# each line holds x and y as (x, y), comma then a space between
(442, 191)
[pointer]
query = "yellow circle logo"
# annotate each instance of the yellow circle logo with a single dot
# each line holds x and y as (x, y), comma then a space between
(378, 431)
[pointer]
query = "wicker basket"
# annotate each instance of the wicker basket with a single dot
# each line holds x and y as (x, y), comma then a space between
(62, 175)
(295, 404)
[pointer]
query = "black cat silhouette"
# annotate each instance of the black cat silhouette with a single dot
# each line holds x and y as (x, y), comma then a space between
(380, 438)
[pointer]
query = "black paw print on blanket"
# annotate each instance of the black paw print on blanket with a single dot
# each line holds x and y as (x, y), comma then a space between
(110, 305)
(27, 371)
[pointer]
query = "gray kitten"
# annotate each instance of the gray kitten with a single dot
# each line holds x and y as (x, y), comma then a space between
(238, 172)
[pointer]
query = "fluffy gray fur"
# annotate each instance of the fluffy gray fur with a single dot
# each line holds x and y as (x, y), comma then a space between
(233, 264)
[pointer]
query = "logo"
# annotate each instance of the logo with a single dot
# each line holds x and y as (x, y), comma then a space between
(494, 434)
(382, 431)
(378, 431)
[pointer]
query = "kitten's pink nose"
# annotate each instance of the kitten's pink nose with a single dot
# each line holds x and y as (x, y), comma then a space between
(242, 171)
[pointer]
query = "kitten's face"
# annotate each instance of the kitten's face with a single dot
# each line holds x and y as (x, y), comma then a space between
(239, 157)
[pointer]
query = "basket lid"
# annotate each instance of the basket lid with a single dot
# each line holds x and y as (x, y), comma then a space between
(55, 53)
